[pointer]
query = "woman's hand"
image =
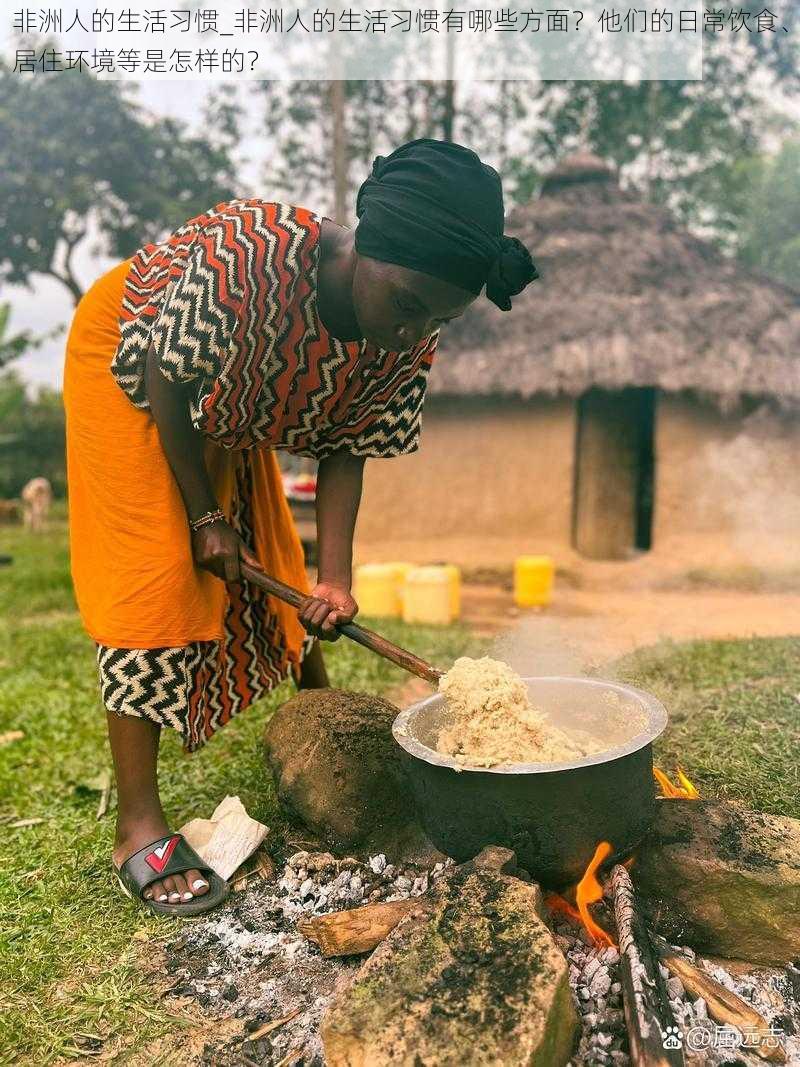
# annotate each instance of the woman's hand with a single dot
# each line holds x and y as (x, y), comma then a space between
(327, 606)
(218, 548)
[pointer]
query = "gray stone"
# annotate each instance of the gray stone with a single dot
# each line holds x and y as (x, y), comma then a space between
(675, 988)
(725, 880)
(478, 980)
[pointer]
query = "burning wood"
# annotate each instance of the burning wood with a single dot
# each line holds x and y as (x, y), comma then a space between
(588, 891)
(243, 952)
(648, 1014)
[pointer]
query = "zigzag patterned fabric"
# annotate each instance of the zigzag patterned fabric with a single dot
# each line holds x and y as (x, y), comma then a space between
(229, 303)
(197, 688)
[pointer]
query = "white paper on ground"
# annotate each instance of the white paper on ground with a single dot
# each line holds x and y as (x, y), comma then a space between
(227, 839)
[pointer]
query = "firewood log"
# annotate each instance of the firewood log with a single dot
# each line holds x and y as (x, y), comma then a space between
(645, 999)
(357, 930)
(724, 1006)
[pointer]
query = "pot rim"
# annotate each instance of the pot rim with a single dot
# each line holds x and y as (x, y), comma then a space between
(655, 712)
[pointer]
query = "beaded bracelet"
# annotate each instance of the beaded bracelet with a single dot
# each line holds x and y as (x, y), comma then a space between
(207, 519)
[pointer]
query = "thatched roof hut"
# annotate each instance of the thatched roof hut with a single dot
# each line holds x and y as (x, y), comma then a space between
(627, 297)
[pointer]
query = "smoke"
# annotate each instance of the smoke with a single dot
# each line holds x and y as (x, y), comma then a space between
(538, 645)
(750, 482)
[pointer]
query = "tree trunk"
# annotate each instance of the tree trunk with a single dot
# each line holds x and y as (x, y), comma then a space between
(449, 120)
(340, 188)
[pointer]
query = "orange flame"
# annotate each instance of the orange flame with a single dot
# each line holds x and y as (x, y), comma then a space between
(555, 902)
(684, 791)
(588, 891)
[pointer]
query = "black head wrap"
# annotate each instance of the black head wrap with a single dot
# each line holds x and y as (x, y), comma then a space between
(433, 206)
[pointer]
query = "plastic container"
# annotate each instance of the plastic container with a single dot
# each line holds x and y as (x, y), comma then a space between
(533, 581)
(428, 597)
(376, 588)
(454, 574)
(400, 571)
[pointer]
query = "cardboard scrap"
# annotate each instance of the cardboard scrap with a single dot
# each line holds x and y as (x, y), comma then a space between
(227, 839)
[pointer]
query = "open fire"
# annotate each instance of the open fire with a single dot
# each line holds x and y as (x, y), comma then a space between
(684, 791)
(589, 890)
(633, 990)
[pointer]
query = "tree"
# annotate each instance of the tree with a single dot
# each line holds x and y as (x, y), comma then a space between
(680, 141)
(32, 441)
(79, 156)
(768, 198)
(31, 429)
(325, 135)
(11, 347)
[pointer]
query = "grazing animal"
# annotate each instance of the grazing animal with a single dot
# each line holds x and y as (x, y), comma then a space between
(37, 496)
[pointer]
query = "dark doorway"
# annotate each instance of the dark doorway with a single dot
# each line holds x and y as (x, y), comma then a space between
(614, 473)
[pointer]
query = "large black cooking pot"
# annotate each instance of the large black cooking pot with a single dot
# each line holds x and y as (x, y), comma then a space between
(552, 814)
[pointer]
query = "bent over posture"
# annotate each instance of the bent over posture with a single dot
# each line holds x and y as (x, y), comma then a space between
(255, 326)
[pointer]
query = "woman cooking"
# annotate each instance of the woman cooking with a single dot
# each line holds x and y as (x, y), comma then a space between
(254, 326)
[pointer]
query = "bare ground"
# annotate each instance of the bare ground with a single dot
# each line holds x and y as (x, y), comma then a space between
(602, 623)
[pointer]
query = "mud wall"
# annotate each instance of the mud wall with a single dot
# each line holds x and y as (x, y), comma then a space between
(727, 486)
(492, 479)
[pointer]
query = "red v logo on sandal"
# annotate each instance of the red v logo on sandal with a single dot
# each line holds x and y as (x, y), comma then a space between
(159, 857)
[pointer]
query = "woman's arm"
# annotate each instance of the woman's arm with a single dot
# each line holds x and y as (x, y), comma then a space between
(339, 481)
(216, 547)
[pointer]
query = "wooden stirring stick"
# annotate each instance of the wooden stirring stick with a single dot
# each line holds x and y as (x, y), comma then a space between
(368, 638)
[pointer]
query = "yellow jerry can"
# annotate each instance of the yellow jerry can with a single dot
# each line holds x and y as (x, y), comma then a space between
(376, 588)
(427, 596)
(400, 571)
(533, 581)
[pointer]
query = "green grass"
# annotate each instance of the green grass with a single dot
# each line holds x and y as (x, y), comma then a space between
(69, 955)
(734, 711)
(70, 944)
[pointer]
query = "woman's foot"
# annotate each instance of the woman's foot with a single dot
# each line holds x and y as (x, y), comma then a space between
(178, 888)
(140, 820)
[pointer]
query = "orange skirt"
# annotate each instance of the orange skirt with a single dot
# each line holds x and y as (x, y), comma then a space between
(136, 584)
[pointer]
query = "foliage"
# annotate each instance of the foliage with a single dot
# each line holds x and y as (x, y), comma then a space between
(678, 141)
(32, 436)
(11, 347)
(79, 156)
(769, 212)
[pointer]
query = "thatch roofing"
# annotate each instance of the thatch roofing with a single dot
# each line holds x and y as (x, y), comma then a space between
(626, 297)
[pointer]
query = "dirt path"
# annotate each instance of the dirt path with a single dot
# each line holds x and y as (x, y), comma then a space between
(589, 626)
(585, 628)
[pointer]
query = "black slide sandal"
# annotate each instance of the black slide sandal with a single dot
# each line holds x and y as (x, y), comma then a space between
(167, 856)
